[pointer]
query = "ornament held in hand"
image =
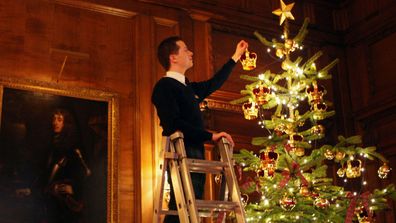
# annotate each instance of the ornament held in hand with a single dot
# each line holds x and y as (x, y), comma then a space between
(248, 60)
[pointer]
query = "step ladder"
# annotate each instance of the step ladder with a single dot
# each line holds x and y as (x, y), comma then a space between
(190, 209)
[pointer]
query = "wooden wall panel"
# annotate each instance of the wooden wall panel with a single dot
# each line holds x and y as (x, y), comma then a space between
(381, 55)
(99, 48)
(370, 52)
(151, 31)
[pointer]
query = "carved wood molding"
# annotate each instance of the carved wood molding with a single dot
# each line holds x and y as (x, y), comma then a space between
(165, 22)
(199, 15)
(96, 8)
(223, 106)
(220, 100)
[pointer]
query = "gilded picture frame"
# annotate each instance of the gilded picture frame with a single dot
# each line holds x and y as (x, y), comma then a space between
(27, 179)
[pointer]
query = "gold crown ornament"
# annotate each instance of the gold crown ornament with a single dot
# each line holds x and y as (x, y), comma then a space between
(287, 203)
(295, 138)
(248, 60)
(261, 92)
(329, 154)
(341, 172)
(318, 110)
(317, 129)
(250, 110)
(321, 202)
(354, 168)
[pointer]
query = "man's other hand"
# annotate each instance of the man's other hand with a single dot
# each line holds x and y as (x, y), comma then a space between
(217, 136)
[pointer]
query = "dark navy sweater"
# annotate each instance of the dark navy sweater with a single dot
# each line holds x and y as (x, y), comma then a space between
(178, 105)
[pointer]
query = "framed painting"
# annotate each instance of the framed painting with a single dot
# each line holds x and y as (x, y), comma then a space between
(58, 148)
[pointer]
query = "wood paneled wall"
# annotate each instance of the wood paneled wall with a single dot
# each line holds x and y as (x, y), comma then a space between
(111, 45)
(370, 54)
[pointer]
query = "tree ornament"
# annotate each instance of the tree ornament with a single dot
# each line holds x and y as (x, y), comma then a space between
(354, 168)
(318, 130)
(294, 139)
(260, 172)
(362, 215)
(279, 53)
(339, 155)
(248, 60)
(314, 194)
(359, 209)
(304, 190)
(341, 172)
(244, 199)
(318, 110)
(299, 151)
(289, 45)
(280, 129)
(365, 220)
(383, 171)
(287, 203)
(250, 110)
(284, 12)
(321, 203)
(329, 154)
(318, 107)
(315, 93)
(286, 64)
(261, 92)
(269, 161)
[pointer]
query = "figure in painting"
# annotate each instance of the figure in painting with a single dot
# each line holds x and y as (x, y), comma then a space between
(66, 172)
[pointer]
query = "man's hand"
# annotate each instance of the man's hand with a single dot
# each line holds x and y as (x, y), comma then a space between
(217, 136)
(63, 189)
(241, 47)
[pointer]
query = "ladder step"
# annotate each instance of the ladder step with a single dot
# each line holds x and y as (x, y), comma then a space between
(206, 166)
(214, 205)
(171, 155)
(168, 212)
(203, 214)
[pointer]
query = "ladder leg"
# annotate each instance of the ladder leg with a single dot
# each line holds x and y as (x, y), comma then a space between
(181, 205)
(232, 182)
(187, 182)
(160, 180)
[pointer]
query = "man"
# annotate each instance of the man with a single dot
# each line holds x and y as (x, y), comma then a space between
(177, 103)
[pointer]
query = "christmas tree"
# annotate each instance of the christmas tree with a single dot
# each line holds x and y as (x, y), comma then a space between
(289, 172)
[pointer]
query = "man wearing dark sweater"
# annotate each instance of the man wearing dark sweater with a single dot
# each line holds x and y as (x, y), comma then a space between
(177, 103)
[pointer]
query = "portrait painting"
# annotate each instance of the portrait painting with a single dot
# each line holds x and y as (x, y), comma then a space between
(57, 147)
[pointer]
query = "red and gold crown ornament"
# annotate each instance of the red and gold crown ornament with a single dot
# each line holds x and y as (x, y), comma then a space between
(269, 159)
(248, 60)
(261, 92)
(315, 93)
(287, 202)
(321, 203)
(250, 110)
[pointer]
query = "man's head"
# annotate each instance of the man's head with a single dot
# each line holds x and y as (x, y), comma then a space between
(174, 54)
(62, 121)
(58, 122)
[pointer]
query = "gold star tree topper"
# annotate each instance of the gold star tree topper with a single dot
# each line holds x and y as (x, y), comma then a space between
(284, 12)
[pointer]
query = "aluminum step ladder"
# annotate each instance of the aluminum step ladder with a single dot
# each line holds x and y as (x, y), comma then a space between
(190, 209)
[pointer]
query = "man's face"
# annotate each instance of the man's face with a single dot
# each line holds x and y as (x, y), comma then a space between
(183, 58)
(57, 123)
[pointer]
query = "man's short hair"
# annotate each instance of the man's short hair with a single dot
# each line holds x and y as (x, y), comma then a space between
(167, 47)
